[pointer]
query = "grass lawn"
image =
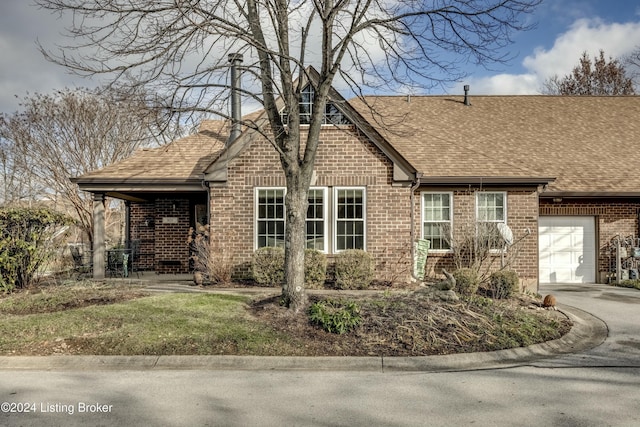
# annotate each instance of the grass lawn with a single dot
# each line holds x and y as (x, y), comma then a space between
(120, 320)
(108, 319)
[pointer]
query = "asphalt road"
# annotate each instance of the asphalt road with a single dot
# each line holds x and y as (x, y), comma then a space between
(596, 387)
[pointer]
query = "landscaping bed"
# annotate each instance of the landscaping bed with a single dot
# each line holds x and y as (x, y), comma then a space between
(125, 319)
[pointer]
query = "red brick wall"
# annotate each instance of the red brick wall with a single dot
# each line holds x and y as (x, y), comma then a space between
(163, 243)
(172, 251)
(144, 231)
(613, 217)
(344, 158)
(522, 215)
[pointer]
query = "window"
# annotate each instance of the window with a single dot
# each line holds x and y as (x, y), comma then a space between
(491, 209)
(270, 218)
(332, 114)
(316, 236)
(349, 218)
(270, 215)
(436, 219)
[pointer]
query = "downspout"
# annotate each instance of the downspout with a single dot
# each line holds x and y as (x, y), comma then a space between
(414, 188)
(205, 185)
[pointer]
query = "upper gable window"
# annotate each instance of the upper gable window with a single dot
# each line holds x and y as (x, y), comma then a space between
(332, 114)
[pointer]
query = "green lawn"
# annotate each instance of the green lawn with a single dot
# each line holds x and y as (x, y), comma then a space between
(122, 319)
(146, 325)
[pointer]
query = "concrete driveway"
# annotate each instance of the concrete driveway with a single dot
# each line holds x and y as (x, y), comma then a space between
(618, 308)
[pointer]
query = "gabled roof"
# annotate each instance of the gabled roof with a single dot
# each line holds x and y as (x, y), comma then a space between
(217, 170)
(177, 165)
(586, 143)
(576, 146)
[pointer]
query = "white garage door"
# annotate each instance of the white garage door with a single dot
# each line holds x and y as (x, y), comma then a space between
(567, 249)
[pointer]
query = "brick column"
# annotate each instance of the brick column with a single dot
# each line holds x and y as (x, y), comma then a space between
(98, 236)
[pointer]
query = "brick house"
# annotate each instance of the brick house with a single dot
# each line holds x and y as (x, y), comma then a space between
(556, 170)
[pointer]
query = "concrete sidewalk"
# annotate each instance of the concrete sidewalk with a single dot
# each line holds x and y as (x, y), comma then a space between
(588, 332)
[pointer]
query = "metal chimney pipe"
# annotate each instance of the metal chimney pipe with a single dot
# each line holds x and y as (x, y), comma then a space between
(236, 114)
(466, 95)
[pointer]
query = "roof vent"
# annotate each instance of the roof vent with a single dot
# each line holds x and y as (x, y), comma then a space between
(236, 115)
(466, 95)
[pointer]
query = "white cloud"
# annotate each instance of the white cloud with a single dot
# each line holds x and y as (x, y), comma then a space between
(584, 35)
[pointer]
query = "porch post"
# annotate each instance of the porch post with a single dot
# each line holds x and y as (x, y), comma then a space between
(98, 236)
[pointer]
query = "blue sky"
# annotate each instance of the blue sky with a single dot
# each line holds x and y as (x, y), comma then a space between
(565, 29)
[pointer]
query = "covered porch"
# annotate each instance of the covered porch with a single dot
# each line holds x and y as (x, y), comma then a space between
(157, 225)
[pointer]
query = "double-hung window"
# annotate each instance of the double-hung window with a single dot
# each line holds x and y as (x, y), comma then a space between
(491, 210)
(316, 220)
(350, 206)
(345, 226)
(270, 217)
(436, 219)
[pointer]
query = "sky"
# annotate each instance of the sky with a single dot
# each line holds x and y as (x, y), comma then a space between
(565, 29)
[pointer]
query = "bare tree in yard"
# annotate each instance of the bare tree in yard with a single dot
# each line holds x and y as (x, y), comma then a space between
(66, 134)
(180, 48)
(632, 65)
(599, 78)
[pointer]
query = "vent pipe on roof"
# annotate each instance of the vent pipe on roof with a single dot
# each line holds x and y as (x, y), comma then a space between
(466, 95)
(236, 114)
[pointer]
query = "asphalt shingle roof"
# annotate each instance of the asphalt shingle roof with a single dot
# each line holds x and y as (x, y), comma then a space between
(588, 144)
(181, 160)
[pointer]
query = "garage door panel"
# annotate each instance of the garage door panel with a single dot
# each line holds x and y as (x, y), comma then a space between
(567, 249)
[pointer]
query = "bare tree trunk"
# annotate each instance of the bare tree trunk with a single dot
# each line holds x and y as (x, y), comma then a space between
(293, 291)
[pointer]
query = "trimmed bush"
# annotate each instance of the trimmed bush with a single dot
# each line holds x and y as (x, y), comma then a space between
(467, 281)
(267, 266)
(335, 316)
(315, 268)
(503, 284)
(354, 269)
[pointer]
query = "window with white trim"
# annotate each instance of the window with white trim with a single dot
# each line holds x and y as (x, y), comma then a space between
(350, 207)
(332, 115)
(436, 219)
(491, 209)
(270, 218)
(316, 219)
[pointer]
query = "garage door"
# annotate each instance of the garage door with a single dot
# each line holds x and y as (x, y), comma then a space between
(567, 249)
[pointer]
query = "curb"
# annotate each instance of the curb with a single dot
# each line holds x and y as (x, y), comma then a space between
(587, 332)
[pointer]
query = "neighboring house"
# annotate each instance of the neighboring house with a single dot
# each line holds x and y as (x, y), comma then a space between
(558, 170)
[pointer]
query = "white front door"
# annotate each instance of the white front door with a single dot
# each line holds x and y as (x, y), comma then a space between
(567, 249)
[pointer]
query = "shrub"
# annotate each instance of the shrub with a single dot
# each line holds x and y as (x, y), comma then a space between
(212, 263)
(335, 316)
(28, 240)
(268, 266)
(315, 268)
(629, 283)
(467, 281)
(503, 284)
(354, 269)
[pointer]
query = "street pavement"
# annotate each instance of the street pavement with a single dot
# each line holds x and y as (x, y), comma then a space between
(590, 379)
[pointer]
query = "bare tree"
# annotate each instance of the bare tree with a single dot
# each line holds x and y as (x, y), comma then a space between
(599, 78)
(631, 63)
(180, 47)
(66, 134)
